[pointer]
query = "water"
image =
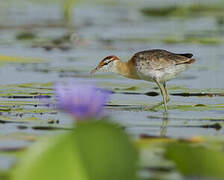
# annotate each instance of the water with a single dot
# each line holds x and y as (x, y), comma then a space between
(100, 31)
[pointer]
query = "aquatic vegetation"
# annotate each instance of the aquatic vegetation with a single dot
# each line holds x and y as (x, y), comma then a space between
(197, 160)
(80, 100)
(95, 150)
(200, 157)
(184, 38)
(185, 10)
(17, 59)
(217, 39)
(194, 40)
(195, 107)
(68, 6)
(26, 35)
(63, 43)
(83, 153)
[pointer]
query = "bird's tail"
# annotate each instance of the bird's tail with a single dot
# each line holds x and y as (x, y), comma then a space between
(190, 61)
(188, 55)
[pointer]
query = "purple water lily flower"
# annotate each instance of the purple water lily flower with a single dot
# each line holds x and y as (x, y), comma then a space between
(83, 101)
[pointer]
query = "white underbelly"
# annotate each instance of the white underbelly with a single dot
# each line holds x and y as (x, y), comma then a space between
(165, 74)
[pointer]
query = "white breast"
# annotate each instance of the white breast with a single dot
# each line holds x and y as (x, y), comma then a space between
(161, 75)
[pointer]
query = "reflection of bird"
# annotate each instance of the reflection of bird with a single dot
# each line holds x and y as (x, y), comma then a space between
(154, 65)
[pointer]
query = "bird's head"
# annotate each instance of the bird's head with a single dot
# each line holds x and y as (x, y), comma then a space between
(108, 64)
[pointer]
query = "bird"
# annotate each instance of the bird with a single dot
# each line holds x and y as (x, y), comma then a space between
(154, 65)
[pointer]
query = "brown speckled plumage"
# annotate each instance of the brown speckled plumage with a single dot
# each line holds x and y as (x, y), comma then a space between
(160, 59)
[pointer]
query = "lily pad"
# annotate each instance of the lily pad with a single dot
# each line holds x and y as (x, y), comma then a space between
(196, 161)
(192, 10)
(17, 59)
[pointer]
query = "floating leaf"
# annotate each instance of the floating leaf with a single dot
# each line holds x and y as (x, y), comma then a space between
(95, 150)
(196, 161)
(132, 88)
(26, 35)
(68, 6)
(17, 59)
(186, 10)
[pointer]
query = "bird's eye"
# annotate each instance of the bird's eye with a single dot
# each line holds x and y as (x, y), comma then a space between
(106, 63)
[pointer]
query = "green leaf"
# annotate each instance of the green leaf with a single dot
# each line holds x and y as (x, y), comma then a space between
(68, 6)
(52, 158)
(106, 151)
(94, 151)
(193, 160)
(17, 59)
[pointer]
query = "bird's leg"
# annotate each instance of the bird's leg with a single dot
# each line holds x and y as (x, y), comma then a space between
(165, 119)
(163, 94)
(167, 93)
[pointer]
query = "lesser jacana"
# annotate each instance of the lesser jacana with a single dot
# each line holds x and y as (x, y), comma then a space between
(154, 65)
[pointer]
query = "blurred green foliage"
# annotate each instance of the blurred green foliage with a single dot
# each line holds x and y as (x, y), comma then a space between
(197, 9)
(68, 6)
(95, 150)
(197, 161)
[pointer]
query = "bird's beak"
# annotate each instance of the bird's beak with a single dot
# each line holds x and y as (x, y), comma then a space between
(94, 70)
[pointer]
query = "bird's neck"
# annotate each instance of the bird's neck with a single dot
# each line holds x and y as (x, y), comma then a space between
(127, 69)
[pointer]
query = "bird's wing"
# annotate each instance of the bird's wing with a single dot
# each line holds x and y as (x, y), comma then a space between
(159, 59)
(188, 55)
